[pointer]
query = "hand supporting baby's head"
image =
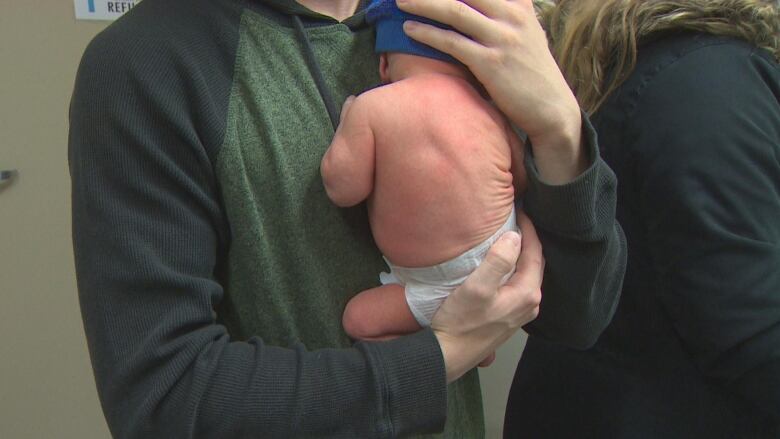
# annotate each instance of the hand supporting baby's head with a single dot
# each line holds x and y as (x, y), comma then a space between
(401, 56)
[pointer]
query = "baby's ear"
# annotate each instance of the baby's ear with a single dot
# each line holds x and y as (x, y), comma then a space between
(384, 69)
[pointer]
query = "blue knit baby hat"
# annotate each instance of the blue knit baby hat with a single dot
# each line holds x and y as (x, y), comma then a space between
(390, 36)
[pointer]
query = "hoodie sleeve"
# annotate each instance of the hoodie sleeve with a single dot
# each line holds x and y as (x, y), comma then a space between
(584, 248)
(710, 202)
(149, 236)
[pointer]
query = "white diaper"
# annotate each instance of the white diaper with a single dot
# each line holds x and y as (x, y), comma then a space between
(427, 287)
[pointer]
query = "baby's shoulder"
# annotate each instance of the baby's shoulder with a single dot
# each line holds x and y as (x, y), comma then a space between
(386, 97)
(439, 84)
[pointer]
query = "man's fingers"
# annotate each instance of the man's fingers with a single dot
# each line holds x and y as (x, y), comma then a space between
(499, 261)
(518, 162)
(530, 264)
(522, 183)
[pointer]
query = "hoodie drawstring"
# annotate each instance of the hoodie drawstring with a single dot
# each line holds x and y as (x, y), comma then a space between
(316, 72)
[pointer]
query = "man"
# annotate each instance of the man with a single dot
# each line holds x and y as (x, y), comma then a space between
(213, 269)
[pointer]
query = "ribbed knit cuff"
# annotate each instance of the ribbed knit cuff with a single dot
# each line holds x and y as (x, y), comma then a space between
(574, 207)
(415, 392)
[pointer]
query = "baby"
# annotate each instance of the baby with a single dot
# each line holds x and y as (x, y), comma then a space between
(438, 166)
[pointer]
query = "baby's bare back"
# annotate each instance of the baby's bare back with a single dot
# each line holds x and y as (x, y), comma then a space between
(442, 181)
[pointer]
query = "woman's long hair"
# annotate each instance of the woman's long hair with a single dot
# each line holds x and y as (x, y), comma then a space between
(595, 41)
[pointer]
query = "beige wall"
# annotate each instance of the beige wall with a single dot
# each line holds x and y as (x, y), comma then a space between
(496, 380)
(45, 377)
(46, 382)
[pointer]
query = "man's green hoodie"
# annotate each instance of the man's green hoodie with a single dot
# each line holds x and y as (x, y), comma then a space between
(213, 269)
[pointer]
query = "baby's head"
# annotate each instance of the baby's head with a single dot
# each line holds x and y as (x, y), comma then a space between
(401, 56)
(395, 66)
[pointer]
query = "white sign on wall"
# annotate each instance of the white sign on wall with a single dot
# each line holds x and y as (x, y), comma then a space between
(102, 9)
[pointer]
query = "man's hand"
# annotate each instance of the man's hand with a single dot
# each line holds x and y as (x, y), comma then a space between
(482, 314)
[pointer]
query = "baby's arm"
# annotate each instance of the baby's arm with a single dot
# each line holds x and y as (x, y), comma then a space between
(348, 165)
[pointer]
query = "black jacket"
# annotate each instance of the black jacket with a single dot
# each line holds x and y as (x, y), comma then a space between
(694, 348)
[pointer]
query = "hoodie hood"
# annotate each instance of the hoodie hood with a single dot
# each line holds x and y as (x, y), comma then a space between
(288, 7)
(293, 8)
(300, 18)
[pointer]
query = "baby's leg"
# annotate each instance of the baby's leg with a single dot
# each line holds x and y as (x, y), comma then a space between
(379, 313)
(382, 313)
